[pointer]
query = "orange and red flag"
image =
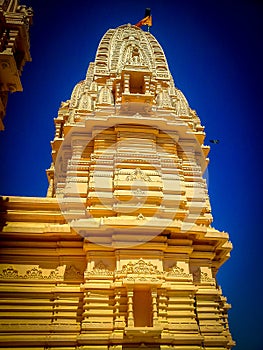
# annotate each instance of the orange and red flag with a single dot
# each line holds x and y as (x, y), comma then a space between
(147, 20)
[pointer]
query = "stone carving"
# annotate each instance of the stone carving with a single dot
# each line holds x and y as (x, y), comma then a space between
(138, 174)
(132, 55)
(196, 274)
(182, 107)
(204, 278)
(85, 103)
(177, 271)
(140, 267)
(140, 272)
(27, 13)
(34, 273)
(64, 104)
(138, 193)
(119, 47)
(72, 273)
(9, 272)
(164, 100)
(93, 87)
(76, 94)
(4, 64)
(100, 269)
(105, 96)
(14, 48)
(140, 217)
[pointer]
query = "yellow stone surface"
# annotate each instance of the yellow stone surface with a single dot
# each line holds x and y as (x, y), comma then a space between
(121, 252)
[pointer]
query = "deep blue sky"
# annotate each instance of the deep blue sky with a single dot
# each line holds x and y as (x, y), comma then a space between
(215, 53)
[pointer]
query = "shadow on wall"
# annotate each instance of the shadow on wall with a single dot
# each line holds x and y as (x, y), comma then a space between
(3, 211)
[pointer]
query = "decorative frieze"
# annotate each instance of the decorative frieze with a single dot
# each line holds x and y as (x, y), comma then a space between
(100, 270)
(140, 267)
(178, 273)
(73, 274)
(21, 272)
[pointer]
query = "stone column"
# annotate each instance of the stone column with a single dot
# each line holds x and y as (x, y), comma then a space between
(126, 84)
(130, 308)
(154, 307)
(119, 319)
(147, 84)
(50, 191)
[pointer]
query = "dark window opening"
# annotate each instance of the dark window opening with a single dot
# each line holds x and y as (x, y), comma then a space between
(142, 308)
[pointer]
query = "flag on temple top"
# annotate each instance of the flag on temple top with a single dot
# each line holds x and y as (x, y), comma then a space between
(147, 20)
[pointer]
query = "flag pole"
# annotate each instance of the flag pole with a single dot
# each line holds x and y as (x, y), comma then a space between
(147, 20)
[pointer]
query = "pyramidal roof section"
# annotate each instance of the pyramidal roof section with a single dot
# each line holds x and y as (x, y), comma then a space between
(127, 45)
(130, 61)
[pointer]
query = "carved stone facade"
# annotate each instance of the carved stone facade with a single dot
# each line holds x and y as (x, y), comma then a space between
(15, 21)
(121, 254)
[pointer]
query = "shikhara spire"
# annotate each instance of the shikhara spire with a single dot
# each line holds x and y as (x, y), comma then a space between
(127, 218)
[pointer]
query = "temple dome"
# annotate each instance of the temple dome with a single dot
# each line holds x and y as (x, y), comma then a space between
(129, 45)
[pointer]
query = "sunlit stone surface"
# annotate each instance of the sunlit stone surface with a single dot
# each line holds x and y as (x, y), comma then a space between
(121, 254)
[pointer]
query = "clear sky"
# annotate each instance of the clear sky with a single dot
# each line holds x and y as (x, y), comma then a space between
(215, 53)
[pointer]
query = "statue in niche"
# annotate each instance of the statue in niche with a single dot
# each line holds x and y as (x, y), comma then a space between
(132, 55)
(105, 96)
(85, 102)
(135, 56)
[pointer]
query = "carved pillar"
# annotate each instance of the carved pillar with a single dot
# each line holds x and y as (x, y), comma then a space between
(126, 84)
(162, 306)
(118, 92)
(130, 308)
(154, 307)
(50, 191)
(119, 322)
(147, 84)
(50, 176)
(117, 308)
(153, 88)
(58, 128)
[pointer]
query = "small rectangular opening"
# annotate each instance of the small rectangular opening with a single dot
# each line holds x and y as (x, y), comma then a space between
(142, 308)
(136, 84)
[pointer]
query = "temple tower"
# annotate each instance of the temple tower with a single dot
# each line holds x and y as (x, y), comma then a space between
(15, 20)
(121, 254)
